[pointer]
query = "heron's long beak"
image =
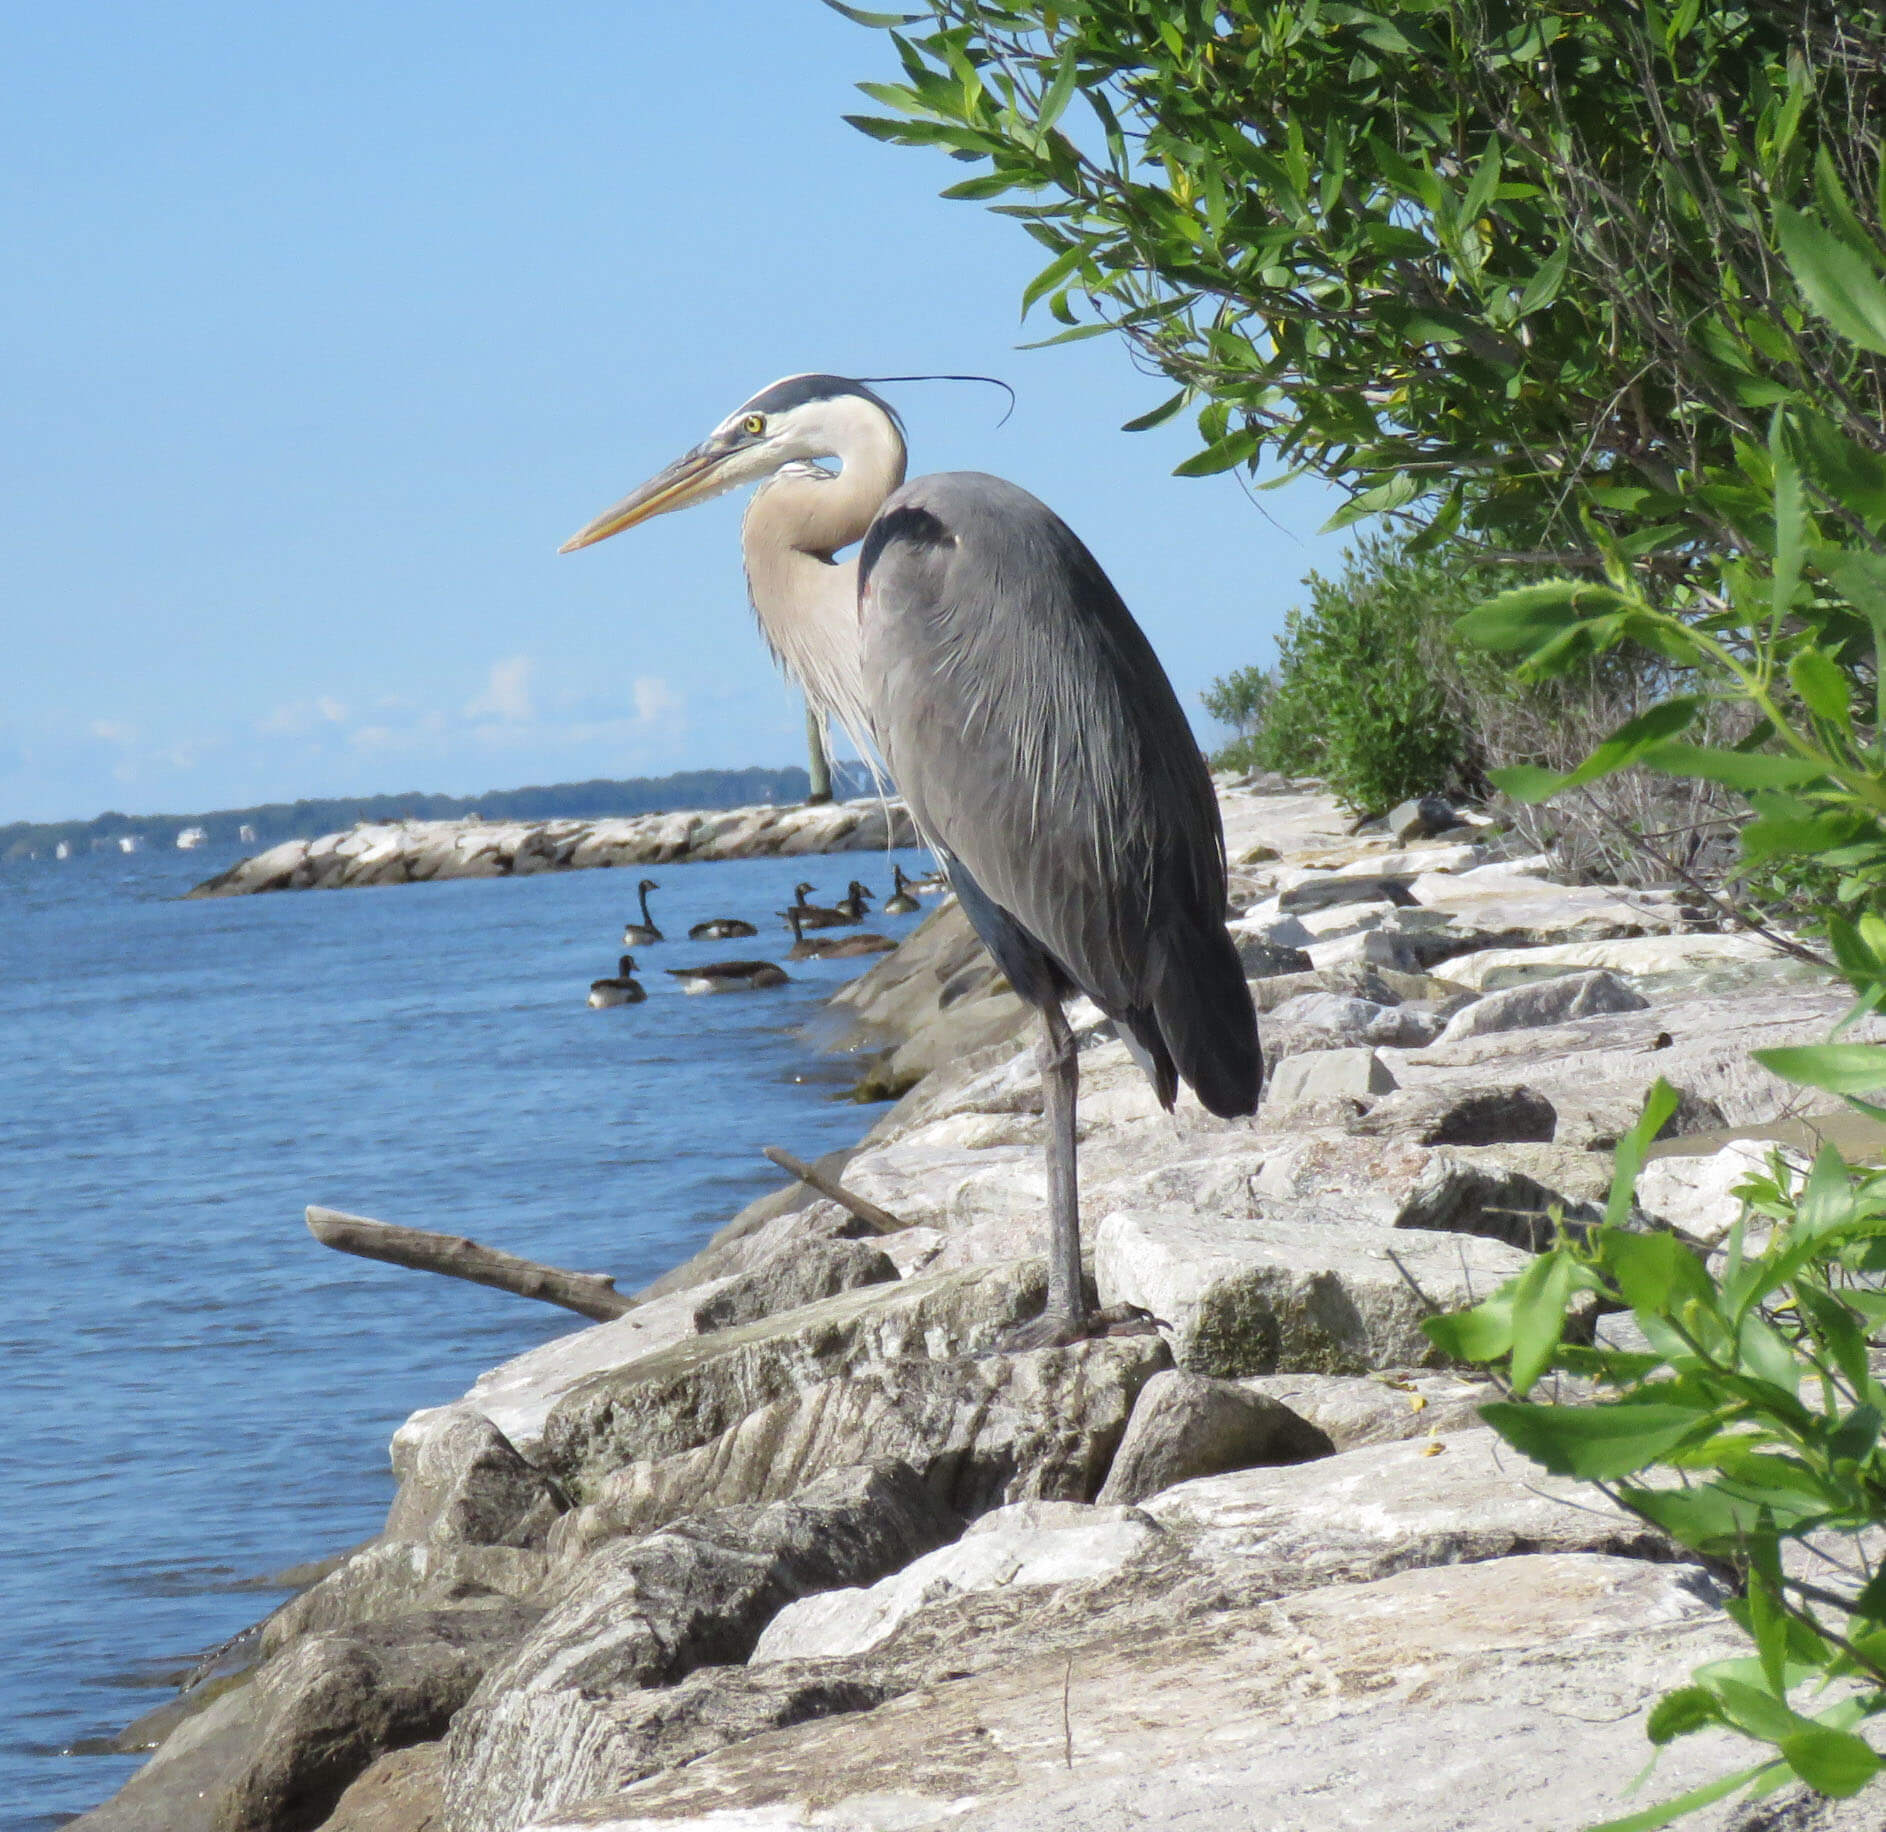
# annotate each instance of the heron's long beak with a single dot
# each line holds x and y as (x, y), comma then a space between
(690, 479)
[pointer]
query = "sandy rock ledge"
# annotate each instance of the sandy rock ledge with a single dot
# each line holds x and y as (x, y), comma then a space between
(794, 1544)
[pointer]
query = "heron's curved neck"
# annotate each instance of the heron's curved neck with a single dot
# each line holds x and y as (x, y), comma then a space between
(806, 598)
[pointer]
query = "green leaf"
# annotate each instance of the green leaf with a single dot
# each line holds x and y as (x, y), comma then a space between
(1837, 282)
(1399, 489)
(1831, 1762)
(1625, 746)
(1053, 274)
(1628, 1160)
(1159, 415)
(1527, 616)
(1823, 688)
(1840, 1068)
(1544, 286)
(1681, 1713)
(1481, 1333)
(1593, 1442)
(1225, 454)
(858, 16)
(1539, 1300)
(1652, 1818)
(1735, 769)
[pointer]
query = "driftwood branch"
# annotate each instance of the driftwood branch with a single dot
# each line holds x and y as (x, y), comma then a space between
(881, 1221)
(589, 1294)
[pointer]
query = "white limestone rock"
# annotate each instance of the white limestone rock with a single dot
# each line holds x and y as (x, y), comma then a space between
(1031, 1543)
(1306, 1289)
(1328, 1075)
(1553, 1001)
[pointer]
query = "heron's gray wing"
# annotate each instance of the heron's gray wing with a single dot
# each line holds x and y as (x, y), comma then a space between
(1027, 721)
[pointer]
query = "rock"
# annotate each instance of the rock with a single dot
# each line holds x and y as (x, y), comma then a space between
(1033, 1543)
(691, 1393)
(1263, 960)
(1491, 1200)
(326, 1710)
(169, 1792)
(1496, 1115)
(1361, 1514)
(1294, 1288)
(388, 1579)
(1636, 954)
(1697, 1195)
(1187, 1425)
(1326, 892)
(1396, 1703)
(465, 1484)
(647, 1612)
(1354, 1410)
(1327, 1075)
(799, 1275)
(984, 1432)
(1320, 1021)
(517, 1395)
(1370, 948)
(1554, 1001)
(1420, 817)
(404, 1791)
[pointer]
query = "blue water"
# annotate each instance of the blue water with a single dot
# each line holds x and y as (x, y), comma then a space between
(196, 1395)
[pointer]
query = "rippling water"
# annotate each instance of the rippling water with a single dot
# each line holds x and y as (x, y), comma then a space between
(199, 1396)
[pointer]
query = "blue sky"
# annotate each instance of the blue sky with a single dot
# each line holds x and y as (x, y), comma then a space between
(320, 327)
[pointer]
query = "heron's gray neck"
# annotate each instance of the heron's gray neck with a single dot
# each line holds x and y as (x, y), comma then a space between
(806, 599)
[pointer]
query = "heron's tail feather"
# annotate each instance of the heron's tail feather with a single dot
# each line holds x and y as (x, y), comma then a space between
(1206, 1019)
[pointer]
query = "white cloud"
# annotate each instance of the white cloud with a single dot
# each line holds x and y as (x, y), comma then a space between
(653, 697)
(114, 731)
(331, 710)
(507, 693)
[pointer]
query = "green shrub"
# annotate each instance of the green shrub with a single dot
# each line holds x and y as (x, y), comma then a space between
(1361, 693)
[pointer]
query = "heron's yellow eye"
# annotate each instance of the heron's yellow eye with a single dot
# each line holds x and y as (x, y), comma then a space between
(753, 425)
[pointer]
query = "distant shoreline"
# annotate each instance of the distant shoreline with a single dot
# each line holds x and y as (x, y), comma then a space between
(267, 824)
(419, 852)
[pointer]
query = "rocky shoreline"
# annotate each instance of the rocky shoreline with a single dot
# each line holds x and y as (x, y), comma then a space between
(423, 852)
(792, 1544)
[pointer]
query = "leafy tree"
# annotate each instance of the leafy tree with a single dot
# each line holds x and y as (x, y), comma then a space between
(1494, 267)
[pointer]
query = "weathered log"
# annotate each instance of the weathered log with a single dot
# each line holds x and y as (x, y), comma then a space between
(589, 1294)
(880, 1220)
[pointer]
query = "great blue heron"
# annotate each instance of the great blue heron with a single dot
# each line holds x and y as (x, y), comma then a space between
(976, 643)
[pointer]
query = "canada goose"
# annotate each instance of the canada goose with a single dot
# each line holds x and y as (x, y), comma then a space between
(640, 934)
(900, 902)
(815, 916)
(729, 976)
(622, 990)
(721, 928)
(836, 947)
(853, 905)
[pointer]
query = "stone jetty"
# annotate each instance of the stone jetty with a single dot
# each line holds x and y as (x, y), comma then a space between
(421, 852)
(793, 1543)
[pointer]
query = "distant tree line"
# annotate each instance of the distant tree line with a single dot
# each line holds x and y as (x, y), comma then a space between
(269, 823)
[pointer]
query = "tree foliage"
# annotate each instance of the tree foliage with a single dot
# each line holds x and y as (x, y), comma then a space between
(1497, 268)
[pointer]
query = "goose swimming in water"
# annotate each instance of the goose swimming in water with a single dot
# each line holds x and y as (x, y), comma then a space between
(815, 916)
(853, 905)
(624, 989)
(729, 976)
(640, 934)
(721, 928)
(836, 947)
(900, 902)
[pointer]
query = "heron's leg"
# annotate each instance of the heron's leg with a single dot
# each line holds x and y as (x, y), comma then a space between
(1060, 1079)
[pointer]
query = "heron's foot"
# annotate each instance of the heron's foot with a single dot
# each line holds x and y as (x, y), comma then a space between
(1056, 1329)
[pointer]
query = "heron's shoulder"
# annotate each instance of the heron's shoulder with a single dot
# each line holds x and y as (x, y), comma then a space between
(948, 509)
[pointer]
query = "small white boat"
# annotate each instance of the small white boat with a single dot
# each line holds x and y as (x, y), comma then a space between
(191, 838)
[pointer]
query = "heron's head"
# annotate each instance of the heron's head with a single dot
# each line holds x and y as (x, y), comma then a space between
(801, 419)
